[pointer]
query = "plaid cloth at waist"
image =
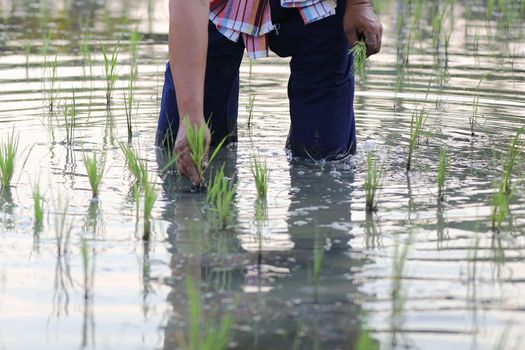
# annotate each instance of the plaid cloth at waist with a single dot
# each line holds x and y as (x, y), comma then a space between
(252, 19)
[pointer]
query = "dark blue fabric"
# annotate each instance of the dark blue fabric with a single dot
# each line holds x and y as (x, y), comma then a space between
(320, 89)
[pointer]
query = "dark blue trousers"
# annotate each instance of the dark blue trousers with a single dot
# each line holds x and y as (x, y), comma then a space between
(320, 88)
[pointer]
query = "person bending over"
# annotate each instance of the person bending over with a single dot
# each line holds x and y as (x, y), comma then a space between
(207, 41)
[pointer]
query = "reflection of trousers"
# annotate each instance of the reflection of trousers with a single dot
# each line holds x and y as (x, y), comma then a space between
(320, 88)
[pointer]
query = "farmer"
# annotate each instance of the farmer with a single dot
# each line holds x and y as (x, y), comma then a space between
(206, 46)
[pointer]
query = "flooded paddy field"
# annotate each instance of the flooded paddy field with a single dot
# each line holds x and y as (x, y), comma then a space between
(310, 267)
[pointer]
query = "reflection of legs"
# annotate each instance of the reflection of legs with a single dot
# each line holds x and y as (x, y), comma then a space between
(221, 92)
(321, 86)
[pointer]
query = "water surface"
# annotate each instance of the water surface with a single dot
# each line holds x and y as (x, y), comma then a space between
(460, 286)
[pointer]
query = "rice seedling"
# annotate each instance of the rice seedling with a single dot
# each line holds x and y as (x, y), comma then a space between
(417, 125)
(128, 104)
(70, 121)
(251, 96)
(473, 119)
(490, 8)
(203, 335)
(196, 137)
(86, 54)
(110, 70)
(150, 196)
(220, 195)
(372, 182)
(136, 166)
(53, 91)
(261, 174)
(501, 198)
(249, 108)
(441, 175)
(437, 23)
(38, 207)
(514, 152)
(500, 207)
(95, 168)
(44, 48)
(8, 155)
(317, 263)
(359, 53)
(365, 341)
(134, 41)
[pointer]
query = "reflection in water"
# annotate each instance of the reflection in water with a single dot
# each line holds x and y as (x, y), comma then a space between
(441, 226)
(273, 294)
(372, 231)
(263, 269)
(6, 209)
(88, 318)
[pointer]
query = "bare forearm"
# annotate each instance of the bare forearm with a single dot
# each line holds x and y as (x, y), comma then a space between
(188, 42)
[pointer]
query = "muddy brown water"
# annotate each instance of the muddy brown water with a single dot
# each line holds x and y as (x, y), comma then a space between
(460, 286)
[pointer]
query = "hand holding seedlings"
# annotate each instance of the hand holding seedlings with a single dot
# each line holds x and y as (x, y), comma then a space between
(360, 21)
(191, 150)
(191, 147)
(358, 51)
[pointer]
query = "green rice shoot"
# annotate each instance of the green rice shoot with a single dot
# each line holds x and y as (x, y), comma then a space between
(441, 176)
(515, 150)
(8, 155)
(136, 166)
(38, 207)
(417, 125)
(128, 106)
(150, 196)
(134, 41)
(196, 137)
(261, 174)
(70, 121)
(473, 119)
(358, 51)
(95, 168)
(500, 207)
(110, 69)
(53, 91)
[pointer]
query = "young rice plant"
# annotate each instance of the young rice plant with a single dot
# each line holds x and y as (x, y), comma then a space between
(150, 196)
(135, 165)
(95, 168)
(38, 207)
(261, 173)
(110, 70)
(416, 128)
(359, 53)
(196, 137)
(8, 154)
(442, 170)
